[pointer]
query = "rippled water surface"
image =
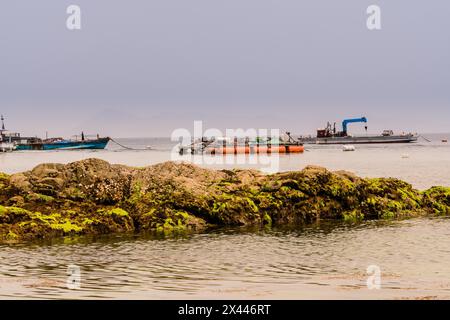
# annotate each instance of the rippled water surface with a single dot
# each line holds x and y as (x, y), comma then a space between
(328, 260)
(319, 261)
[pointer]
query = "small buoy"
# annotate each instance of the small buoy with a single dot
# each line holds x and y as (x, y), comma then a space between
(348, 148)
(405, 156)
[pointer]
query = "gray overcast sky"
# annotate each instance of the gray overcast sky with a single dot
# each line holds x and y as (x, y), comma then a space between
(146, 67)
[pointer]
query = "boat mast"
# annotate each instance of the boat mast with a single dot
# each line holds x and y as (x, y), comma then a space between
(3, 123)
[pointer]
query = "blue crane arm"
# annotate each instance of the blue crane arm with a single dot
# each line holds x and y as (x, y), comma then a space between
(347, 121)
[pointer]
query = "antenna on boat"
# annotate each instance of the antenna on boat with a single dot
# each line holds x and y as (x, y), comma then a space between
(3, 123)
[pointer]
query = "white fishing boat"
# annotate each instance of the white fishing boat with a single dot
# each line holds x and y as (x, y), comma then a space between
(6, 146)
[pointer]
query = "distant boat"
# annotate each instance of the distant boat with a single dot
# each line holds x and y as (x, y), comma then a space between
(348, 148)
(10, 141)
(329, 135)
(228, 145)
(12, 137)
(6, 146)
(7, 138)
(404, 138)
(61, 144)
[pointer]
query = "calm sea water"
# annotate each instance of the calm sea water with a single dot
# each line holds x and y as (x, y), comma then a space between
(423, 164)
(320, 261)
(327, 260)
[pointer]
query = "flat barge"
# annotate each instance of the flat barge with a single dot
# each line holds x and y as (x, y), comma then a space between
(361, 139)
(329, 135)
(230, 146)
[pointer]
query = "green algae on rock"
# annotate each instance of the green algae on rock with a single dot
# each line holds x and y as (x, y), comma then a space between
(95, 197)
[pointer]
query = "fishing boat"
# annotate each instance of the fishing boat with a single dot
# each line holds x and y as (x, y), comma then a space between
(6, 138)
(62, 144)
(14, 141)
(329, 135)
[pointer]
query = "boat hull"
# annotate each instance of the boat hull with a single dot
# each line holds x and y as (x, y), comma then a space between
(360, 140)
(65, 145)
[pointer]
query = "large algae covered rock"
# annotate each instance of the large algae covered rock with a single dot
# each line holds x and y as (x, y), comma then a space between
(94, 197)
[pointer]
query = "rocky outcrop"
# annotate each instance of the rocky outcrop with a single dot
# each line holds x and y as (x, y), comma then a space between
(94, 197)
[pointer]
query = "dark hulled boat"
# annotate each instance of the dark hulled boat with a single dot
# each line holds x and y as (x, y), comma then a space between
(368, 139)
(14, 141)
(61, 144)
(329, 135)
(99, 143)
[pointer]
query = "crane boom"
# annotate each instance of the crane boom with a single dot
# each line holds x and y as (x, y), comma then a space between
(347, 121)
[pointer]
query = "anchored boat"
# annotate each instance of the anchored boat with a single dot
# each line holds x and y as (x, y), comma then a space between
(255, 149)
(59, 143)
(6, 138)
(329, 135)
(227, 145)
(6, 146)
(14, 141)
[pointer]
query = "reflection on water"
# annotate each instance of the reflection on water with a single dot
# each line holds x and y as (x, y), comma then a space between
(326, 260)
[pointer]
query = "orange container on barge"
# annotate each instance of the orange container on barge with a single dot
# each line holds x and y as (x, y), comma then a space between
(280, 149)
(255, 149)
